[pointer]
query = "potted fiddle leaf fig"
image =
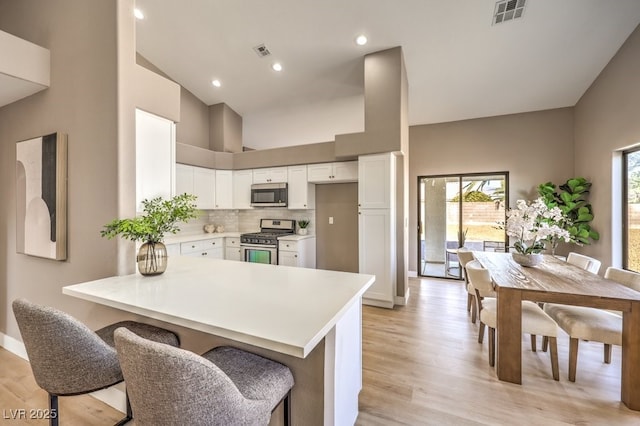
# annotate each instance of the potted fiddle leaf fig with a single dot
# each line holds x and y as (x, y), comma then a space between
(160, 217)
(577, 213)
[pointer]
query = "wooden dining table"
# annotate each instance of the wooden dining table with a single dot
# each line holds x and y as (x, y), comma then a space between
(557, 281)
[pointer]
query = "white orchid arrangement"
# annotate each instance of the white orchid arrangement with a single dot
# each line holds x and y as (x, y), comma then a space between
(531, 224)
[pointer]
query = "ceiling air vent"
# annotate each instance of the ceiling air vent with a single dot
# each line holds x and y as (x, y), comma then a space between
(261, 50)
(507, 10)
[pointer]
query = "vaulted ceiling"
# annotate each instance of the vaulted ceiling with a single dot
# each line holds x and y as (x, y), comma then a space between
(459, 64)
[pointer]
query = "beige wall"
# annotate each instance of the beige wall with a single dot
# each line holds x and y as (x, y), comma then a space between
(82, 103)
(337, 243)
(193, 128)
(607, 119)
(533, 147)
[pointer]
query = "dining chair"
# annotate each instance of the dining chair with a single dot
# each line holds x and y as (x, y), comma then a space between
(592, 324)
(225, 386)
(585, 262)
(67, 358)
(465, 256)
(534, 321)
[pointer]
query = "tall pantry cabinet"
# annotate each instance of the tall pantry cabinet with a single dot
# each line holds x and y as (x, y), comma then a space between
(376, 226)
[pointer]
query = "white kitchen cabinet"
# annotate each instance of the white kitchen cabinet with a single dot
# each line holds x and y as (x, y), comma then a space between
(270, 175)
(173, 249)
(197, 181)
(232, 249)
(155, 157)
(300, 253)
(376, 226)
(301, 194)
(242, 180)
(377, 254)
(224, 189)
(204, 187)
(345, 171)
(375, 177)
(212, 247)
(184, 179)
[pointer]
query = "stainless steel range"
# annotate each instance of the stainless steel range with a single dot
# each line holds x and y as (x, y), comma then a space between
(262, 247)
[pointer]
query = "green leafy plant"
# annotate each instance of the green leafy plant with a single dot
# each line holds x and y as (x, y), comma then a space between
(303, 223)
(160, 217)
(571, 199)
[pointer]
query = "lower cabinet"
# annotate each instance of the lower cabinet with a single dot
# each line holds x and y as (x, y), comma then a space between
(300, 253)
(212, 247)
(232, 250)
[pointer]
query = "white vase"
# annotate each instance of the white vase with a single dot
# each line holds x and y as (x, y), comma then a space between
(527, 260)
(302, 231)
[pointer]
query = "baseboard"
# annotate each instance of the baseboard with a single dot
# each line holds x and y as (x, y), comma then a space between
(403, 300)
(14, 346)
(412, 274)
(112, 396)
(377, 303)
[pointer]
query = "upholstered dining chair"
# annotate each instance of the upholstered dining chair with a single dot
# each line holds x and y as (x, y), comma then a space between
(585, 262)
(67, 358)
(592, 324)
(534, 321)
(225, 386)
(465, 256)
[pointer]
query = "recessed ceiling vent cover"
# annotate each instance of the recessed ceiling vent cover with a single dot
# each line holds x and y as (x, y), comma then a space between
(507, 10)
(261, 50)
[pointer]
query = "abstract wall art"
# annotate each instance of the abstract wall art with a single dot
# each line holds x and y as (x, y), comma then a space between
(41, 196)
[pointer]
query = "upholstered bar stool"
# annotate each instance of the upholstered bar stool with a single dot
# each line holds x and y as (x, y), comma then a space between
(225, 386)
(67, 358)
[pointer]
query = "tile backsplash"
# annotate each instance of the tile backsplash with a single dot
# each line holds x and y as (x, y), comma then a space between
(246, 220)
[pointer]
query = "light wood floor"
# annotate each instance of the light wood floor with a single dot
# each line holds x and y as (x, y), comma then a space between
(422, 366)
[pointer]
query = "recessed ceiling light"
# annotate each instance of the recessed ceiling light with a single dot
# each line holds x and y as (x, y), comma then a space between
(216, 83)
(138, 13)
(361, 40)
(277, 66)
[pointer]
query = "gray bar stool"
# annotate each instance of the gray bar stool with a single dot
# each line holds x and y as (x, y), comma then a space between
(225, 386)
(67, 358)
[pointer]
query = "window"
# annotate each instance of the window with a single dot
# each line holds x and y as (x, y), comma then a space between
(631, 209)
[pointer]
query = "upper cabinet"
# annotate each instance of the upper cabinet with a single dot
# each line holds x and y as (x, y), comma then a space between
(198, 181)
(242, 180)
(270, 175)
(346, 171)
(375, 177)
(155, 157)
(224, 189)
(301, 194)
(214, 188)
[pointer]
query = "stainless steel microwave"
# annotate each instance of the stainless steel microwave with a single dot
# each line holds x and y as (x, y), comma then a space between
(269, 195)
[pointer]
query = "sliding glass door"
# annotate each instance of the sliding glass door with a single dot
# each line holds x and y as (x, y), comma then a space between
(459, 211)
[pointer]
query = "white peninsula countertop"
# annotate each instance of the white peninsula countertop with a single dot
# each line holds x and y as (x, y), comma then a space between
(283, 309)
